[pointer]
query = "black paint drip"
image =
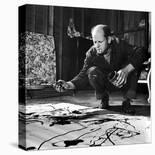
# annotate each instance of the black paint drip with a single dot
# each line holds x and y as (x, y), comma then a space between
(60, 122)
(76, 112)
(72, 142)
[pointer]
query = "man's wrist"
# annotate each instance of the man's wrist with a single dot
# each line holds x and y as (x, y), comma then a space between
(129, 68)
(71, 85)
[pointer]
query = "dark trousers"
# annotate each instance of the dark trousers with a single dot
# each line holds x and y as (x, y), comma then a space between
(99, 81)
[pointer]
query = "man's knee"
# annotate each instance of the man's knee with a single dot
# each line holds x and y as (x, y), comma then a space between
(91, 69)
(93, 72)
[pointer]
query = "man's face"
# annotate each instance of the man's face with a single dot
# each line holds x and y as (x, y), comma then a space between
(100, 42)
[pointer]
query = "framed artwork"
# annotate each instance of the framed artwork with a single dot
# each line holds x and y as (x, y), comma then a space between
(64, 72)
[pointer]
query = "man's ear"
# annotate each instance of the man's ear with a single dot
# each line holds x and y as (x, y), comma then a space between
(109, 39)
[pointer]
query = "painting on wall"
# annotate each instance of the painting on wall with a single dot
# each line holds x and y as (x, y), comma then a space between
(50, 40)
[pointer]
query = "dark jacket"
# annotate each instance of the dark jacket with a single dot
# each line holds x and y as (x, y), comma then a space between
(121, 55)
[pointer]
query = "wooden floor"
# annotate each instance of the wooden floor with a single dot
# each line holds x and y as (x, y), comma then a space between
(84, 133)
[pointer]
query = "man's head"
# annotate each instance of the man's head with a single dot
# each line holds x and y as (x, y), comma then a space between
(101, 38)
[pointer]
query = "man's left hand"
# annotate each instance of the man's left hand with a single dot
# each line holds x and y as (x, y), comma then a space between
(121, 78)
(123, 75)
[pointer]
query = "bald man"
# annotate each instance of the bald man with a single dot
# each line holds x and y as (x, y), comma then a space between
(109, 54)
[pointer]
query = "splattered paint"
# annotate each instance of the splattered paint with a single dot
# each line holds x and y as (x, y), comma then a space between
(50, 128)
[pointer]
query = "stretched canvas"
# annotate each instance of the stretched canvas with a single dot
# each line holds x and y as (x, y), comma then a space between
(53, 41)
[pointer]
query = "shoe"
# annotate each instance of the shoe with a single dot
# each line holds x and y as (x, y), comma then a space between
(104, 104)
(127, 108)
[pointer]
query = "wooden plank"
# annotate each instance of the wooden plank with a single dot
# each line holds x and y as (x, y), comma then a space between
(51, 20)
(82, 21)
(41, 19)
(58, 32)
(60, 42)
(30, 18)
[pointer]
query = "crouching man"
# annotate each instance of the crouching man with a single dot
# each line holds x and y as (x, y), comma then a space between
(110, 64)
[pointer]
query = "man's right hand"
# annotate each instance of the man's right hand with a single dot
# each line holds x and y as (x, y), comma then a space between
(62, 86)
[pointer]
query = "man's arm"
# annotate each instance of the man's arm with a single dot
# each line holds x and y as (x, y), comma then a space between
(78, 81)
(81, 79)
(70, 85)
(129, 68)
(136, 55)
